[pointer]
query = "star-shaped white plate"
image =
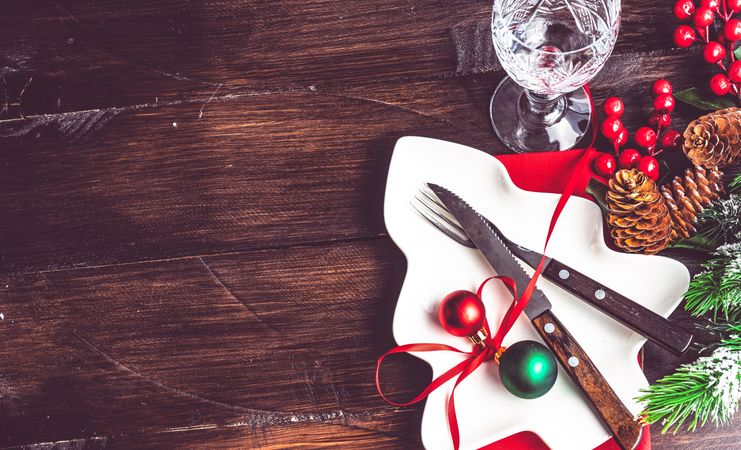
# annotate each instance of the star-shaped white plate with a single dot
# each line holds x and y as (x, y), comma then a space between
(437, 265)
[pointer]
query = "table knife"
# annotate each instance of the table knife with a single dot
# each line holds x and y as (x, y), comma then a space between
(623, 425)
(631, 314)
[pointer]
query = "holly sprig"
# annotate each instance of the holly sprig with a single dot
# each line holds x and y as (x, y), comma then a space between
(719, 49)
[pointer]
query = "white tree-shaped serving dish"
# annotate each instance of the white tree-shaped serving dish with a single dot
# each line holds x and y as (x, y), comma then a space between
(437, 265)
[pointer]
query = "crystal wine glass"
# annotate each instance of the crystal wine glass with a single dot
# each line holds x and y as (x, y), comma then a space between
(550, 50)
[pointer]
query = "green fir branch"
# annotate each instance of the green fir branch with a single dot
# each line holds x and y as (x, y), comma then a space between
(717, 290)
(721, 222)
(707, 389)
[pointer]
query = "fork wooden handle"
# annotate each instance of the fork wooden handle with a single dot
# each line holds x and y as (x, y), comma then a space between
(622, 424)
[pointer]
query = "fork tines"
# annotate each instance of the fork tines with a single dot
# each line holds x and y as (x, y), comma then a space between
(429, 206)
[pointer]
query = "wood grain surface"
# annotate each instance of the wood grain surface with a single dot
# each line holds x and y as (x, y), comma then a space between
(193, 250)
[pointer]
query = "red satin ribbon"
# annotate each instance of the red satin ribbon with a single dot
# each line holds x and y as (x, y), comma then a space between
(478, 355)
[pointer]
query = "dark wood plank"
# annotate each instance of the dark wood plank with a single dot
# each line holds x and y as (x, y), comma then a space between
(254, 172)
(709, 437)
(208, 343)
(252, 43)
(92, 55)
(240, 435)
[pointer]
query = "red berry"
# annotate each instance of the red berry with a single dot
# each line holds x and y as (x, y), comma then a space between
(720, 84)
(684, 9)
(714, 52)
(661, 86)
(614, 107)
(712, 4)
(732, 30)
(604, 165)
(622, 137)
(629, 158)
(670, 140)
(611, 127)
(684, 36)
(734, 72)
(645, 137)
(659, 120)
(734, 5)
(704, 17)
(649, 166)
(664, 103)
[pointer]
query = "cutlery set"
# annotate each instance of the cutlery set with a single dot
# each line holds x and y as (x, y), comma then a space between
(459, 221)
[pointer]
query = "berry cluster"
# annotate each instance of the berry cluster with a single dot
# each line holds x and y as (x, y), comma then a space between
(646, 137)
(718, 50)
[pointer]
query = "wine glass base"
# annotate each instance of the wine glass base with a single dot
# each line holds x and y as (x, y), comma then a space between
(522, 136)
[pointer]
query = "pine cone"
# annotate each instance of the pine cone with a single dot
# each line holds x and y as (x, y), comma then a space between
(714, 140)
(638, 216)
(687, 196)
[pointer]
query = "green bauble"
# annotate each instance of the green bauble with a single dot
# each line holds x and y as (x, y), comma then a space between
(528, 369)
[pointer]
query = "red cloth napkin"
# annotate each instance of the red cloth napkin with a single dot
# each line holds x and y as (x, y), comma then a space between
(548, 172)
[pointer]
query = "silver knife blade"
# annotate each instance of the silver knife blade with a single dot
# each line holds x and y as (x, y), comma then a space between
(491, 245)
(530, 257)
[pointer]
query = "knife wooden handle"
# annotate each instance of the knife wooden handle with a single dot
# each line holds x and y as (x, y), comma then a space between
(636, 317)
(622, 424)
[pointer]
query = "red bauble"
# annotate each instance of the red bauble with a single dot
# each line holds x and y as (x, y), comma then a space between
(629, 158)
(720, 84)
(664, 103)
(732, 30)
(684, 36)
(614, 107)
(645, 137)
(704, 17)
(622, 138)
(734, 72)
(462, 313)
(611, 127)
(670, 140)
(604, 165)
(712, 4)
(713, 52)
(649, 166)
(734, 5)
(684, 9)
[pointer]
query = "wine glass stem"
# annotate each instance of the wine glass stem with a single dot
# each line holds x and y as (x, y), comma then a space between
(539, 110)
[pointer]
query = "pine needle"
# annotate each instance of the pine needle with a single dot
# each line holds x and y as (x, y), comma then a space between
(718, 288)
(735, 185)
(721, 222)
(708, 389)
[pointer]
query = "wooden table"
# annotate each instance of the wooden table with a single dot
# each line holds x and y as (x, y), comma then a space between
(192, 246)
